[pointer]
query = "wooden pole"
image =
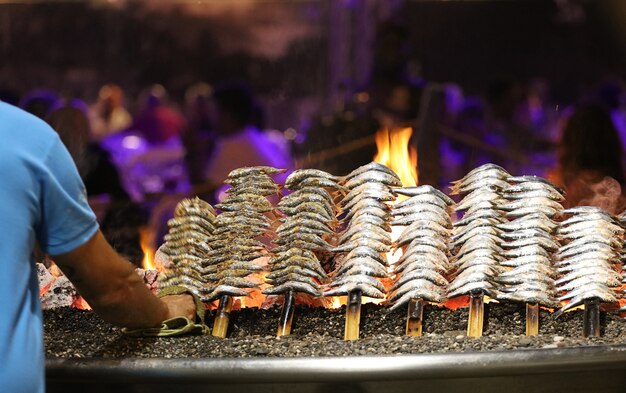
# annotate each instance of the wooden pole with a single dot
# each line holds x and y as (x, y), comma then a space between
(532, 319)
(353, 315)
(476, 315)
(222, 316)
(286, 316)
(414, 317)
(591, 322)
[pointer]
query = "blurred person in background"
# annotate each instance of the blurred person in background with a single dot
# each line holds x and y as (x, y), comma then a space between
(39, 102)
(240, 138)
(108, 115)
(119, 218)
(199, 135)
(43, 201)
(590, 161)
(158, 122)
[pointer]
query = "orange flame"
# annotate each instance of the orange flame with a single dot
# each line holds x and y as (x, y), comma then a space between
(146, 237)
(81, 304)
(394, 151)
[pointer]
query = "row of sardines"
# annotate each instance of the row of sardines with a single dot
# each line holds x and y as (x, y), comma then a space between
(507, 237)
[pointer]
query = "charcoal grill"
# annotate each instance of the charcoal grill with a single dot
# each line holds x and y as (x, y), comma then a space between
(580, 369)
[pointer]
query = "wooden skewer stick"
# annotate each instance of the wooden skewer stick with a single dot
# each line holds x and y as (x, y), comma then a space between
(353, 316)
(591, 322)
(286, 316)
(414, 317)
(532, 319)
(476, 315)
(222, 316)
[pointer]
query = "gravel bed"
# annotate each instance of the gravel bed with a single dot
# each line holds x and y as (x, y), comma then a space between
(72, 333)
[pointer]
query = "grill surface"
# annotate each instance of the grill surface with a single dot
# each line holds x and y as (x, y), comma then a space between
(582, 369)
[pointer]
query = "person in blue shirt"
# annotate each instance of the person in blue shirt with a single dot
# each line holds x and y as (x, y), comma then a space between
(43, 201)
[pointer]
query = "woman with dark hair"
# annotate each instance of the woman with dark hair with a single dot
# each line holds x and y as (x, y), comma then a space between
(590, 161)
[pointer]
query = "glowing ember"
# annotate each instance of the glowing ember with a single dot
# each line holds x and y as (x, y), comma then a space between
(81, 304)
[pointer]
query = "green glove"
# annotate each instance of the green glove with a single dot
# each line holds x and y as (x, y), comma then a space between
(177, 326)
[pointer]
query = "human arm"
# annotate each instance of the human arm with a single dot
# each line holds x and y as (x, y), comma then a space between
(114, 290)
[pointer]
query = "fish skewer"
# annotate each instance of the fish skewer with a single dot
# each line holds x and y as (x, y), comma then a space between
(361, 259)
(535, 203)
(589, 276)
(234, 246)
(476, 240)
(304, 233)
(425, 237)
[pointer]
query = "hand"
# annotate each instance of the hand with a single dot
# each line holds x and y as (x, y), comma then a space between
(180, 306)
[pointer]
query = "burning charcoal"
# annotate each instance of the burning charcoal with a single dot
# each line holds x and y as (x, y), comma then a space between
(186, 245)
(233, 244)
(589, 264)
(532, 203)
(305, 231)
(476, 241)
(420, 272)
(365, 240)
(61, 293)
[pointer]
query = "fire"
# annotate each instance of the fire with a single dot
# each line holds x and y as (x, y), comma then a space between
(81, 304)
(146, 237)
(394, 151)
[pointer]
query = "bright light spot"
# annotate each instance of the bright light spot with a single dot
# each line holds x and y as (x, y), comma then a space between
(290, 134)
(131, 142)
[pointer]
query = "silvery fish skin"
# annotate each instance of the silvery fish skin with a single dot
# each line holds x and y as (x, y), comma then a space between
(377, 211)
(294, 199)
(477, 196)
(179, 221)
(306, 215)
(384, 196)
(318, 182)
(295, 286)
(377, 191)
(382, 237)
(594, 216)
(428, 288)
(526, 233)
(426, 261)
(420, 208)
(485, 287)
(584, 280)
(402, 297)
(593, 274)
(366, 290)
(259, 205)
(492, 182)
(364, 227)
(486, 171)
(373, 177)
(493, 215)
(527, 259)
(373, 244)
(212, 293)
(459, 231)
(535, 277)
(361, 265)
(254, 171)
(477, 245)
(368, 219)
(425, 189)
(600, 292)
(312, 241)
(590, 226)
(530, 297)
(432, 199)
(440, 219)
(371, 167)
(544, 242)
(531, 187)
(425, 274)
(515, 194)
(584, 210)
(421, 246)
(481, 260)
(310, 207)
(523, 211)
(575, 235)
(179, 235)
(295, 269)
(363, 251)
(529, 203)
(483, 231)
(424, 225)
(425, 234)
(537, 221)
(535, 268)
(606, 256)
(227, 273)
(294, 230)
(482, 252)
(565, 253)
(358, 279)
(592, 239)
(295, 222)
(475, 272)
(292, 278)
(532, 249)
(301, 174)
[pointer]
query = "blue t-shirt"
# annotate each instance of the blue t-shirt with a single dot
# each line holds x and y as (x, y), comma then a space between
(43, 200)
